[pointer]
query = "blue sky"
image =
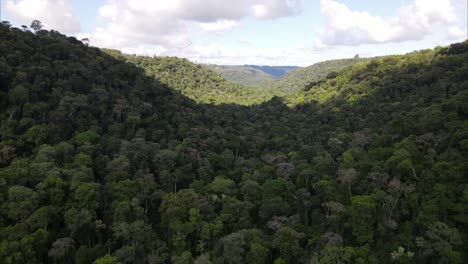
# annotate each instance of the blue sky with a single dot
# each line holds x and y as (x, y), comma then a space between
(268, 32)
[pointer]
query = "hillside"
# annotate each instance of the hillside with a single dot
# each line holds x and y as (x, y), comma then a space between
(194, 81)
(120, 159)
(276, 71)
(244, 75)
(302, 78)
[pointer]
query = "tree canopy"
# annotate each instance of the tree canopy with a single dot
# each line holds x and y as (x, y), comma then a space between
(112, 158)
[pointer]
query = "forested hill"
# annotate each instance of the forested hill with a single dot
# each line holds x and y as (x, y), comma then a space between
(276, 71)
(103, 162)
(194, 81)
(248, 76)
(251, 75)
(303, 78)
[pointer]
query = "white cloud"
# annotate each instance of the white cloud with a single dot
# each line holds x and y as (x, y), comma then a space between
(260, 10)
(220, 25)
(140, 24)
(456, 33)
(54, 14)
(109, 11)
(275, 9)
(413, 22)
(216, 53)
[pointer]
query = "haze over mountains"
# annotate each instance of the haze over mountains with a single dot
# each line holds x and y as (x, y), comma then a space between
(276, 71)
(109, 158)
(245, 75)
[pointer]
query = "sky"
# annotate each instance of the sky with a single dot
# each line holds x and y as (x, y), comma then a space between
(262, 32)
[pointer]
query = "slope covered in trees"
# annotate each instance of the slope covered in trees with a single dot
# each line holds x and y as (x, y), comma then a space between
(102, 162)
(251, 75)
(248, 76)
(303, 78)
(194, 81)
(276, 71)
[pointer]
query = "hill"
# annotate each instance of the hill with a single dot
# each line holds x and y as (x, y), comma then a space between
(251, 75)
(244, 75)
(276, 71)
(193, 80)
(103, 161)
(301, 78)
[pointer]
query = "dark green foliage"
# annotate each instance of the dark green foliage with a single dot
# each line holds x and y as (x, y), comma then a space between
(307, 77)
(197, 82)
(102, 162)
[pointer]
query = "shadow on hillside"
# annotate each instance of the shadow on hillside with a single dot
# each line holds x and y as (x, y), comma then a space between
(276, 118)
(134, 98)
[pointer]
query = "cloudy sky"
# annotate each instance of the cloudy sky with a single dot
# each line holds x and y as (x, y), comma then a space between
(269, 32)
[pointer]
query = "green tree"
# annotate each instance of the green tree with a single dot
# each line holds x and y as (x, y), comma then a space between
(286, 240)
(21, 203)
(362, 218)
(36, 25)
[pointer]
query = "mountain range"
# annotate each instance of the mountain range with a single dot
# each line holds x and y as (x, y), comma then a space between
(251, 75)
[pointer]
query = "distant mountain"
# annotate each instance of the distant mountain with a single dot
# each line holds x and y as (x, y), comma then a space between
(250, 75)
(276, 71)
(247, 76)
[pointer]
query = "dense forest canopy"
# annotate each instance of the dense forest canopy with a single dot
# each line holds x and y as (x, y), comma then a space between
(307, 77)
(195, 81)
(247, 76)
(120, 159)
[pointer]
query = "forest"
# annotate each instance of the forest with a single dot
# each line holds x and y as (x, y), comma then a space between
(108, 158)
(251, 75)
(245, 75)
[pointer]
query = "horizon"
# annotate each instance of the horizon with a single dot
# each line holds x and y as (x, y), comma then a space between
(268, 33)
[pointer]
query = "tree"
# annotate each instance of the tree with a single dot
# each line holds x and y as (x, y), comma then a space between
(118, 169)
(362, 218)
(53, 189)
(19, 95)
(107, 259)
(222, 186)
(81, 224)
(273, 207)
(135, 235)
(280, 261)
(85, 41)
(233, 247)
(21, 203)
(347, 177)
(202, 259)
(62, 250)
(36, 25)
(185, 258)
(274, 188)
(443, 242)
(86, 195)
(333, 210)
(286, 240)
(251, 191)
(257, 254)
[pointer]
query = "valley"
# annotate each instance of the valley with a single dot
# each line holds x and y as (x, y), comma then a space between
(111, 158)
